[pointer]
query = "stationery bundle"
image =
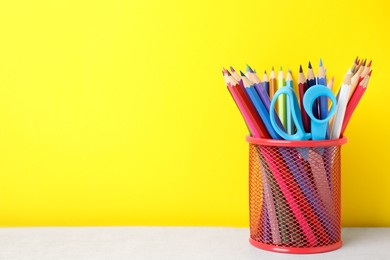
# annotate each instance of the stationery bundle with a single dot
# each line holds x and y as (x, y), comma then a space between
(276, 108)
(295, 136)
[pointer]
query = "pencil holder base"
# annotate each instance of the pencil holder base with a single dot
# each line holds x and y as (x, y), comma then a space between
(295, 250)
(294, 195)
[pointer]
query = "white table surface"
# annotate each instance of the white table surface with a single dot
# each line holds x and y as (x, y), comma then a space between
(170, 243)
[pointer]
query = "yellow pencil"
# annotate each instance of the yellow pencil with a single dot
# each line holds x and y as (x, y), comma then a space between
(281, 104)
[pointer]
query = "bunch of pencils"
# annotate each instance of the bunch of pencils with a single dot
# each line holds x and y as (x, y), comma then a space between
(300, 185)
(253, 98)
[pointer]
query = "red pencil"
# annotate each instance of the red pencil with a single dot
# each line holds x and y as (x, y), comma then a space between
(245, 97)
(251, 118)
(354, 101)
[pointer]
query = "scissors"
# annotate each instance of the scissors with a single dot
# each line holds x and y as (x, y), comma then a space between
(318, 132)
(318, 126)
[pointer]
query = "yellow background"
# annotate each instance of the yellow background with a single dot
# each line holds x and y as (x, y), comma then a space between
(116, 113)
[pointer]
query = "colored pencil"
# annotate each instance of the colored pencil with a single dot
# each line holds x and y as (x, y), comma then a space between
(355, 79)
(355, 63)
(354, 101)
(281, 103)
(248, 102)
(235, 74)
(341, 107)
(272, 83)
(266, 82)
(249, 118)
(280, 204)
(311, 81)
(323, 101)
(267, 102)
(263, 96)
(359, 65)
(260, 108)
(302, 86)
(366, 70)
(251, 75)
(228, 78)
(248, 70)
(330, 83)
(270, 205)
(319, 174)
(289, 196)
(289, 119)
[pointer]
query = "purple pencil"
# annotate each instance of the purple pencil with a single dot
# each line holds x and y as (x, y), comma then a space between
(261, 90)
(267, 102)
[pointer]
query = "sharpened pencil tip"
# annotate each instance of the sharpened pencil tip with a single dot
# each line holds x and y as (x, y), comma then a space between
(369, 73)
(352, 69)
(320, 62)
(248, 68)
(364, 62)
(265, 72)
(300, 69)
(231, 68)
(280, 68)
(369, 64)
(310, 65)
(226, 72)
(272, 68)
(242, 73)
(357, 60)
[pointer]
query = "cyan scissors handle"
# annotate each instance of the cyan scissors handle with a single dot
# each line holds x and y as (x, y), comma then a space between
(295, 113)
(318, 126)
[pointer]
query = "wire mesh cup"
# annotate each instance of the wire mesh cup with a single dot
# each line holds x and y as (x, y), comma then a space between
(294, 195)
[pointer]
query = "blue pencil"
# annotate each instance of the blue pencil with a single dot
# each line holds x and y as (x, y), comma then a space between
(261, 109)
(267, 102)
(321, 80)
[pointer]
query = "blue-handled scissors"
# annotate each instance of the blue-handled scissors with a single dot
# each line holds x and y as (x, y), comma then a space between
(311, 155)
(318, 126)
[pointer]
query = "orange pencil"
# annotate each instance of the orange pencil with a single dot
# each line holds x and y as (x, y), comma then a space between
(272, 83)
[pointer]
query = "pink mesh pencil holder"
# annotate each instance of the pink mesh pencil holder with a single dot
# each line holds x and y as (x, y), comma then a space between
(294, 195)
